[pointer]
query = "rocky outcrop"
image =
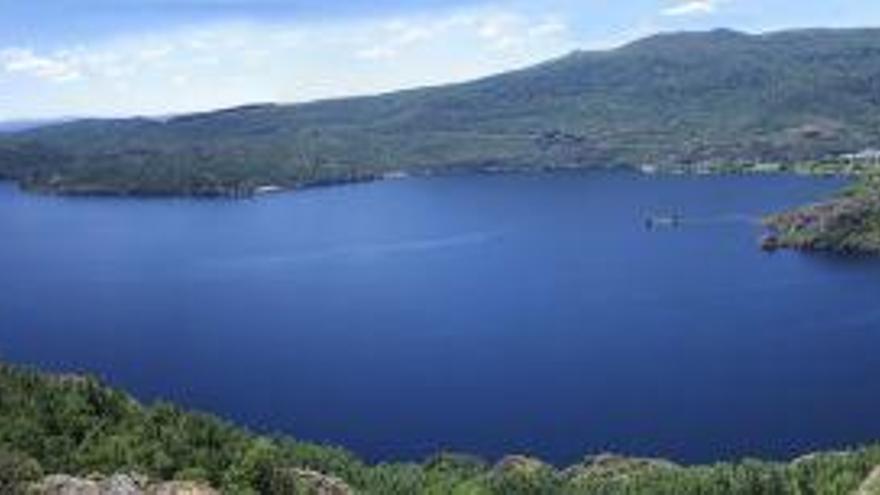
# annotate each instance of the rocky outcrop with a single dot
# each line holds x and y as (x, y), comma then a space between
(119, 484)
(613, 467)
(180, 488)
(520, 465)
(60, 484)
(871, 485)
(308, 482)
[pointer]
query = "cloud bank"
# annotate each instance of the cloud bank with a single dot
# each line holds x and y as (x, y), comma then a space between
(215, 65)
(692, 7)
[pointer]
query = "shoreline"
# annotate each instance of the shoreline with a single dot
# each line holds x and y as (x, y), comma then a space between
(795, 229)
(256, 191)
(121, 416)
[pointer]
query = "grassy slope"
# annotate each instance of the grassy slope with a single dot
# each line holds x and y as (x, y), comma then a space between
(52, 423)
(666, 99)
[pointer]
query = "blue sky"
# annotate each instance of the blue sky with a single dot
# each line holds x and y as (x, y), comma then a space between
(154, 57)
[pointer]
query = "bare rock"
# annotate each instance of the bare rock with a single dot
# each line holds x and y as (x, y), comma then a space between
(180, 488)
(871, 485)
(614, 467)
(520, 465)
(59, 484)
(118, 484)
(308, 482)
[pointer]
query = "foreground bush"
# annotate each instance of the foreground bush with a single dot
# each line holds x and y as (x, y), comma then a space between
(74, 425)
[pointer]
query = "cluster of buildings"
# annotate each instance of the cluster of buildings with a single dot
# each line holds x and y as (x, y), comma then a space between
(869, 157)
(846, 164)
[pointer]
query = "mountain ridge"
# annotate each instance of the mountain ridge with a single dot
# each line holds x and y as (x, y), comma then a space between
(669, 99)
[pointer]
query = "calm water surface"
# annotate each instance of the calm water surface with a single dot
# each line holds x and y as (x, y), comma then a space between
(489, 314)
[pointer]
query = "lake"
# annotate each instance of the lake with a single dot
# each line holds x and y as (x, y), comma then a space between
(489, 314)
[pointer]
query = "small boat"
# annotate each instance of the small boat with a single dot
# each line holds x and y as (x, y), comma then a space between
(654, 221)
(268, 189)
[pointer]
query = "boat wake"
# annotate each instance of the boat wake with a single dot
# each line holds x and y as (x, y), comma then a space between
(732, 218)
(364, 251)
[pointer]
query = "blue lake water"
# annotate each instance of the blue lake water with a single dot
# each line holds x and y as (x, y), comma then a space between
(489, 314)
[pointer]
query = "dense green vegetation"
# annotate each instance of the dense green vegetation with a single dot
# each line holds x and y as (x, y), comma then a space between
(669, 99)
(71, 424)
(847, 224)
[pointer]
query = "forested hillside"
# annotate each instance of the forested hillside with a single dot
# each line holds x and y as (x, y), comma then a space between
(668, 99)
(846, 224)
(70, 424)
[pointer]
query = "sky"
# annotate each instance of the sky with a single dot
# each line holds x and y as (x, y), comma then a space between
(77, 58)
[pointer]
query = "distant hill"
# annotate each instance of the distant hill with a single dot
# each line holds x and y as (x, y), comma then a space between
(667, 99)
(7, 126)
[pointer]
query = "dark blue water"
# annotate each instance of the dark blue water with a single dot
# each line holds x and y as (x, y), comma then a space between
(489, 314)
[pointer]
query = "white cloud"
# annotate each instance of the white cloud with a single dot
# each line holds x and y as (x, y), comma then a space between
(224, 64)
(377, 52)
(59, 68)
(510, 31)
(397, 35)
(155, 52)
(500, 31)
(692, 7)
(492, 29)
(550, 27)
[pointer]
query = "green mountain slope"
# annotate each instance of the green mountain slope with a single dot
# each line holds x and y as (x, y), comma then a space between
(673, 98)
(70, 424)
